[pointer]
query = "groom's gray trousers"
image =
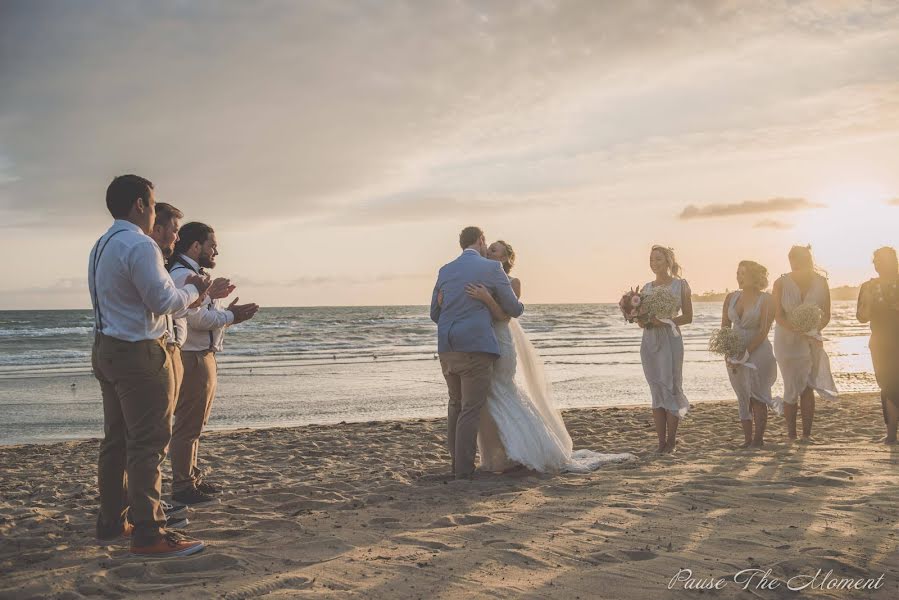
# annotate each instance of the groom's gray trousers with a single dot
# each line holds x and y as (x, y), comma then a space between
(467, 377)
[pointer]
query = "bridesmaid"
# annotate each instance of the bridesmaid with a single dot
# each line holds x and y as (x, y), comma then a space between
(803, 363)
(878, 303)
(751, 312)
(662, 352)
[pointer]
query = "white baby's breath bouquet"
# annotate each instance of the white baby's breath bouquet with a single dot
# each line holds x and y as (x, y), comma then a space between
(727, 343)
(807, 318)
(660, 303)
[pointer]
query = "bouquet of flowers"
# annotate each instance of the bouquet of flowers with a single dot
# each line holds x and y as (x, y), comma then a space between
(807, 318)
(661, 303)
(630, 304)
(727, 342)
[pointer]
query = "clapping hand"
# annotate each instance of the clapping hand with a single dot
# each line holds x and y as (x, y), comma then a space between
(242, 312)
(200, 282)
(221, 288)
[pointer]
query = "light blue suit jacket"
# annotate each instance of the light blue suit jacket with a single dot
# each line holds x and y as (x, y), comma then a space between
(463, 323)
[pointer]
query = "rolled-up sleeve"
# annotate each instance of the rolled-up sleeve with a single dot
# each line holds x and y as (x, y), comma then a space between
(209, 319)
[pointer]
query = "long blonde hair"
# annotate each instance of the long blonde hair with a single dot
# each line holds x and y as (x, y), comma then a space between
(673, 268)
(801, 256)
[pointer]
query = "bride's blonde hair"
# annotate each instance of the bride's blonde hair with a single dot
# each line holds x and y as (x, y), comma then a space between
(510, 256)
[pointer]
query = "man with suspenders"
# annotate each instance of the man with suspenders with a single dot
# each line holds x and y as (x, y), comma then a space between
(165, 234)
(130, 294)
(202, 329)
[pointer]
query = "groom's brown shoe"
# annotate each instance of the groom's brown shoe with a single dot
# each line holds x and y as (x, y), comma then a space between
(168, 545)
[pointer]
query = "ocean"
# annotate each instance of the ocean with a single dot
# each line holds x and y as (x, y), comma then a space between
(295, 366)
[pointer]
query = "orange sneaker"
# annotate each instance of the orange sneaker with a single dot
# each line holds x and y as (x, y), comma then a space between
(121, 537)
(168, 545)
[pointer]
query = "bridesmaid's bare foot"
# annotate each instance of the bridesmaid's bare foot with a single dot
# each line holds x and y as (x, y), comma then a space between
(746, 444)
(670, 447)
(806, 439)
(889, 441)
(661, 449)
(758, 444)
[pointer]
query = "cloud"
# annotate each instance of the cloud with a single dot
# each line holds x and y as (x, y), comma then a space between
(261, 112)
(772, 224)
(749, 207)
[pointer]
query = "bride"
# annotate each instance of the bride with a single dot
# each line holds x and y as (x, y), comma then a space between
(522, 426)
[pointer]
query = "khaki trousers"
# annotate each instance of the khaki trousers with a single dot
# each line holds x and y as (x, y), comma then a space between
(467, 377)
(174, 351)
(138, 389)
(191, 415)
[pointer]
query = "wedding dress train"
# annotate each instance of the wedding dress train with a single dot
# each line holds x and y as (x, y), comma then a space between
(521, 424)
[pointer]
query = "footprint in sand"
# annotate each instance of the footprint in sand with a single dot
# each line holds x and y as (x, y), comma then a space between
(639, 554)
(426, 544)
(269, 585)
(459, 520)
(773, 497)
(844, 473)
(224, 534)
(822, 552)
(207, 561)
(815, 480)
(598, 558)
(504, 545)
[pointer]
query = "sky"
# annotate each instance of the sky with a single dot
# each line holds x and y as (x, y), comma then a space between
(338, 147)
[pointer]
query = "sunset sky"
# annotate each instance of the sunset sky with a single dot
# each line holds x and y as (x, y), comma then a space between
(338, 147)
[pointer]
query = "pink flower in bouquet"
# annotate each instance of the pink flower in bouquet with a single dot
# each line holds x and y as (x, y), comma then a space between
(630, 304)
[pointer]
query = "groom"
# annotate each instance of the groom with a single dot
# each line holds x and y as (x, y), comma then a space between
(466, 343)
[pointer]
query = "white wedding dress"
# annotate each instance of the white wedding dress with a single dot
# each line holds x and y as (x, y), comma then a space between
(521, 424)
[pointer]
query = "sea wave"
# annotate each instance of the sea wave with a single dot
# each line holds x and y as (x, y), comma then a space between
(44, 332)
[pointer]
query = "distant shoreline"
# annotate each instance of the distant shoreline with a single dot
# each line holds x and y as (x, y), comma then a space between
(844, 292)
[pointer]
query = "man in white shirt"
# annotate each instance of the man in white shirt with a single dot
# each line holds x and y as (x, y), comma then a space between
(195, 251)
(130, 292)
(165, 234)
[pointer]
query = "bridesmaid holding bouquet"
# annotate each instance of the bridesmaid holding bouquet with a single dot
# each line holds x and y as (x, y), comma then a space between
(662, 348)
(800, 354)
(749, 311)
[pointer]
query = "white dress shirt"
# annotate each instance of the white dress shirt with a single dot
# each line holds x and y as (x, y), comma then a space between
(201, 328)
(174, 334)
(129, 286)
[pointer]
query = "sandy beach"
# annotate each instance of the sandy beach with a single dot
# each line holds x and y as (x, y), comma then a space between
(366, 510)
